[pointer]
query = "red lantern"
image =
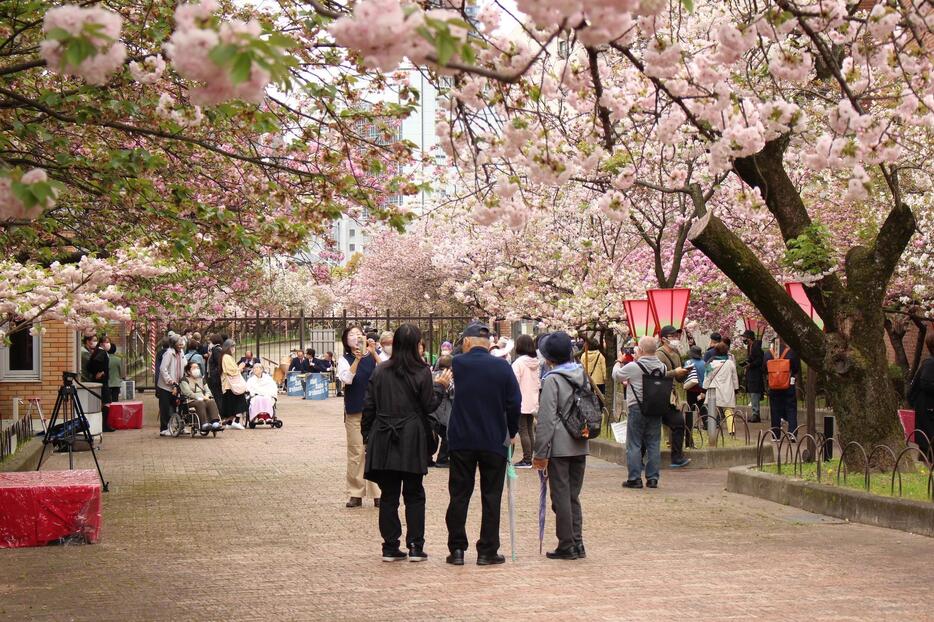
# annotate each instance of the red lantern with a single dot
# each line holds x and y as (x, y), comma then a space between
(755, 325)
(797, 293)
(669, 306)
(640, 318)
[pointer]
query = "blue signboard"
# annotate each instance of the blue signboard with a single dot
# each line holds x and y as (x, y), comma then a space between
(293, 385)
(316, 387)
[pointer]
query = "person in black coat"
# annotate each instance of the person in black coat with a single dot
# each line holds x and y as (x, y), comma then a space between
(755, 384)
(98, 370)
(783, 403)
(395, 428)
(921, 397)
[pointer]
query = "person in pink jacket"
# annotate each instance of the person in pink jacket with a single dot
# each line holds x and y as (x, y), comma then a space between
(526, 369)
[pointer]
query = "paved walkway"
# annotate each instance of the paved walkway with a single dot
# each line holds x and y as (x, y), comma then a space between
(251, 526)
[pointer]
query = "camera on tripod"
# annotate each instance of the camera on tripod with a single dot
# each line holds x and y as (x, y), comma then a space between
(69, 377)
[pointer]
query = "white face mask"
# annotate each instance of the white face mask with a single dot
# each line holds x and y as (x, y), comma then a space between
(674, 343)
(196, 372)
(387, 350)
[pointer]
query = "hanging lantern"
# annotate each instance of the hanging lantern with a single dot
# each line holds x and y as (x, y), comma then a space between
(640, 318)
(755, 325)
(797, 293)
(670, 306)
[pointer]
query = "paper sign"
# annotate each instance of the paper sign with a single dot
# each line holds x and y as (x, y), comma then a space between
(619, 431)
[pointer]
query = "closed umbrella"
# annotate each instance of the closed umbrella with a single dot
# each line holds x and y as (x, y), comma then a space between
(542, 494)
(510, 478)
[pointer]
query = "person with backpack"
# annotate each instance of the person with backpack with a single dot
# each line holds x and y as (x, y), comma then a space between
(595, 364)
(782, 368)
(557, 449)
(648, 396)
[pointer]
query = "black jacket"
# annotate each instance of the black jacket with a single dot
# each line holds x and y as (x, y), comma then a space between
(755, 383)
(396, 423)
(921, 393)
(99, 362)
(299, 364)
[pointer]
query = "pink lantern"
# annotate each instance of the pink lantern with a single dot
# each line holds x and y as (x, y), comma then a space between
(669, 306)
(797, 293)
(640, 318)
(755, 325)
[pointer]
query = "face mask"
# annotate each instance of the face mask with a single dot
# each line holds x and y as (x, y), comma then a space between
(674, 343)
(445, 352)
(93, 344)
(387, 350)
(196, 372)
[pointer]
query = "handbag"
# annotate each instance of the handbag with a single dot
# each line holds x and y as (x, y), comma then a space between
(237, 384)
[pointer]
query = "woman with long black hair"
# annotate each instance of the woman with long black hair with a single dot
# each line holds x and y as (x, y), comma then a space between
(396, 429)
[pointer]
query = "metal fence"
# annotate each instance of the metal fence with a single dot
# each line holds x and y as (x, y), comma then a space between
(14, 435)
(272, 339)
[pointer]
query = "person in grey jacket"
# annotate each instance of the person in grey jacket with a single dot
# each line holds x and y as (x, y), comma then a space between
(171, 372)
(563, 456)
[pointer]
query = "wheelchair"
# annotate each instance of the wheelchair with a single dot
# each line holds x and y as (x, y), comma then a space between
(185, 416)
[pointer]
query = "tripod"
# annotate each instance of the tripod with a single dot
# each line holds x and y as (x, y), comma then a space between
(69, 407)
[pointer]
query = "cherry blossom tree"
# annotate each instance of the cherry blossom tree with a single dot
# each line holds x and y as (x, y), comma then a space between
(815, 111)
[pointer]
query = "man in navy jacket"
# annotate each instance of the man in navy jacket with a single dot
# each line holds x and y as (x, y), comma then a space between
(484, 418)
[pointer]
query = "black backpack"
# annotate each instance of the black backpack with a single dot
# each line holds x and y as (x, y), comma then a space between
(656, 392)
(585, 417)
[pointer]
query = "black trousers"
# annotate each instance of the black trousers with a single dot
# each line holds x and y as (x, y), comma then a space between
(783, 405)
(165, 407)
(566, 478)
(412, 490)
(675, 420)
(461, 478)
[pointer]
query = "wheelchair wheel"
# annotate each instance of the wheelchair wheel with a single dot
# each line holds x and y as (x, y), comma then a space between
(176, 425)
(252, 424)
(195, 423)
(278, 423)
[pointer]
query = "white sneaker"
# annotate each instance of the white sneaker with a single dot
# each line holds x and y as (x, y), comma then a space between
(216, 425)
(205, 426)
(236, 426)
(165, 433)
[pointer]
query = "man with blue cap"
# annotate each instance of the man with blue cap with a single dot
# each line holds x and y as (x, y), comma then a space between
(484, 419)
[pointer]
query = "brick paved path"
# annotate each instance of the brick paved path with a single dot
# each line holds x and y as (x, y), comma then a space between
(251, 526)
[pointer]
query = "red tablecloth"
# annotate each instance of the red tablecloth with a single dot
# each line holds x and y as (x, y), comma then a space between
(38, 507)
(125, 415)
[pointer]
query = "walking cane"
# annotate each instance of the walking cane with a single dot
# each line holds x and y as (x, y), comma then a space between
(510, 478)
(542, 494)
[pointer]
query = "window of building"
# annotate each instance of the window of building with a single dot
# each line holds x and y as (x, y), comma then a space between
(22, 359)
(353, 247)
(353, 233)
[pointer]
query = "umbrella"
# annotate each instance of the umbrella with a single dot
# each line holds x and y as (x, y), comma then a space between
(510, 477)
(542, 493)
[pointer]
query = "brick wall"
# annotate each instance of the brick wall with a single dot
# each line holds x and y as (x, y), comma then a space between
(910, 340)
(58, 355)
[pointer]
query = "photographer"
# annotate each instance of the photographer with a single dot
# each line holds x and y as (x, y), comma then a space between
(354, 370)
(98, 370)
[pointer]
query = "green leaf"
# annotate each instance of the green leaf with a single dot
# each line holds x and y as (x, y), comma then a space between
(58, 34)
(446, 46)
(688, 4)
(223, 54)
(241, 68)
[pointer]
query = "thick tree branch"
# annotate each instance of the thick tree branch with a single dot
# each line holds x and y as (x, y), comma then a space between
(603, 113)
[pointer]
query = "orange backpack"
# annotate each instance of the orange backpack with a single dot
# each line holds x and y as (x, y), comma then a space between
(779, 372)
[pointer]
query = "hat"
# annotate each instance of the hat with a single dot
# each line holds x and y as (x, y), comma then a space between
(477, 329)
(503, 347)
(447, 344)
(556, 347)
(669, 330)
(716, 337)
(749, 334)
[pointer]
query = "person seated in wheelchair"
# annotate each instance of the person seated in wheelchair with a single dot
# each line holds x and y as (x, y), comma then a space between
(262, 391)
(196, 394)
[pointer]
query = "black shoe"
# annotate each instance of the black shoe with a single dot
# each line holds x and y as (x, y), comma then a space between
(680, 464)
(416, 554)
(490, 560)
(456, 557)
(442, 465)
(568, 553)
(394, 556)
(110, 429)
(581, 553)
(632, 483)
(354, 502)
(652, 483)
(755, 420)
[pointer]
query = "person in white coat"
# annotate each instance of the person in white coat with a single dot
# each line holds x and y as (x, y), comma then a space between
(722, 383)
(263, 391)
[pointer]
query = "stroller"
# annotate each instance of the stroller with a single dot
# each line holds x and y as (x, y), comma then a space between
(184, 416)
(263, 417)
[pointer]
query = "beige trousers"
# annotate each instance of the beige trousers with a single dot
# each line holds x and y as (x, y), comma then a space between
(356, 485)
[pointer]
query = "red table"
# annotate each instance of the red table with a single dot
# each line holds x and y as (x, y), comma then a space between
(38, 507)
(125, 415)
